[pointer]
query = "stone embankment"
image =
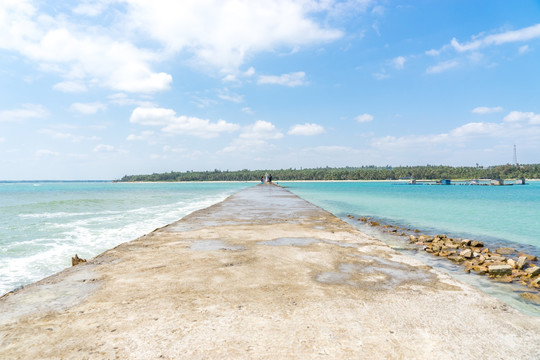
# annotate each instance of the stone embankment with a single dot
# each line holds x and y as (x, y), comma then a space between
(502, 264)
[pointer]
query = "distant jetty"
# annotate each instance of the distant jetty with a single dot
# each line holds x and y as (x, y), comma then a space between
(474, 182)
(261, 275)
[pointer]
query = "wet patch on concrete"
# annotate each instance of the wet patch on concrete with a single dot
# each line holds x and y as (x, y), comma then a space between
(375, 274)
(289, 241)
(214, 245)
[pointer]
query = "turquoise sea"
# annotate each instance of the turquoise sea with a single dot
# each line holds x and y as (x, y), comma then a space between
(43, 224)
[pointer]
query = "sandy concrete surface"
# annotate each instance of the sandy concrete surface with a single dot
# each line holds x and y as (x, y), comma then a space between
(261, 275)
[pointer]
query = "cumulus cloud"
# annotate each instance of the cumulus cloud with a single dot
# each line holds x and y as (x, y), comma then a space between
(223, 33)
(364, 118)
(291, 79)
(486, 110)
(518, 116)
(255, 138)
(27, 111)
(261, 130)
(442, 66)
(306, 129)
(88, 108)
(524, 34)
(181, 125)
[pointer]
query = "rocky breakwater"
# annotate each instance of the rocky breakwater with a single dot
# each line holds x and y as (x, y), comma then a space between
(502, 264)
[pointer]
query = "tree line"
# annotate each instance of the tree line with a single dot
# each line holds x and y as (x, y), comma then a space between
(428, 172)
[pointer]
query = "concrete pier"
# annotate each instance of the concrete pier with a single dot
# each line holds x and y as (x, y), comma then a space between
(261, 275)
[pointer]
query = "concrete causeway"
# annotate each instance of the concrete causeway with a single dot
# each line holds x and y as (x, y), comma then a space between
(261, 275)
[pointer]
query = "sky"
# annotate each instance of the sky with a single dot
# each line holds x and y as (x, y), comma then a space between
(99, 89)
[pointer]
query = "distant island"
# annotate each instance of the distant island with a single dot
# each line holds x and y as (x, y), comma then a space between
(427, 172)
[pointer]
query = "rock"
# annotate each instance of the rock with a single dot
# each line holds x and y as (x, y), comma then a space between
(374, 223)
(465, 242)
(363, 219)
(522, 260)
(531, 297)
(425, 238)
(529, 257)
(412, 239)
(467, 253)
(511, 262)
(456, 258)
(477, 244)
(481, 259)
(76, 260)
(485, 251)
(499, 270)
(505, 251)
(504, 279)
(480, 270)
(416, 231)
(533, 271)
(536, 282)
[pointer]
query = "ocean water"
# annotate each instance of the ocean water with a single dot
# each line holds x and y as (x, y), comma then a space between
(44, 224)
(498, 214)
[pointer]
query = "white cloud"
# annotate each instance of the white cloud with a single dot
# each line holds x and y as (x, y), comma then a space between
(103, 148)
(381, 75)
(291, 79)
(433, 52)
(46, 153)
(399, 62)
(486, 110)
(225, 94)
(306, 129)
(518, 116)
(91, 7)
(70, 87)
(261, 130)
(364, 118)
(173, 124)
(523, 49)
(2, 139)
(223, 33)
(27, 111)
(525, 34)
(247, 110)
(88, 108)
(442, 66)
(76, 52)
(144, 135)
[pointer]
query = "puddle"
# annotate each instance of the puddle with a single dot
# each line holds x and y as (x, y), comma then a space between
(213, 245)
(292, 241)
(345, 245)
(374, 273)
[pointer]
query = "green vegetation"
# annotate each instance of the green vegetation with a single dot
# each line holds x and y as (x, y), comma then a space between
(427, 172)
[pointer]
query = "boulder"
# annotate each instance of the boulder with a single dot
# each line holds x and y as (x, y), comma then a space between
(505, 251)
(456, 258)
(477, 244)
(425, 238)
(522, 260)
(512, 263)
(467, 253)
(529, 257)
(499, 270)
(76, 260)
(533, 271)
(531, 297)
(480, 270)
(465, 242)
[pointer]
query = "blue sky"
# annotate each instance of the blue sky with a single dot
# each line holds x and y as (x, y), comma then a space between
(96, 89)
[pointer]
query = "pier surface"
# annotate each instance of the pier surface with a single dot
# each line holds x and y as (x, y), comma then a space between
(261, 275)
